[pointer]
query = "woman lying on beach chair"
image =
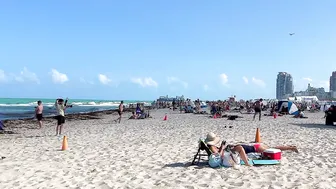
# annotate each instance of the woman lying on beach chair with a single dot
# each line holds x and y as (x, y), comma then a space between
(215, 146)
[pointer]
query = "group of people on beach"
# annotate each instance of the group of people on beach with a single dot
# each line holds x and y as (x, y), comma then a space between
(61, 106)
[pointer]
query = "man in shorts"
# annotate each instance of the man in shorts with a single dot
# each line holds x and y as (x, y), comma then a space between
(38, 113)
(257, 108)
(60, 107)
(120, 111)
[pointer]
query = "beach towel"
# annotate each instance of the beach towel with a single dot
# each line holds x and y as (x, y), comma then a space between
(262, 162)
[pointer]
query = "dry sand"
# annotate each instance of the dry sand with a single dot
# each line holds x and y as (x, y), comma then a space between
(155, 154)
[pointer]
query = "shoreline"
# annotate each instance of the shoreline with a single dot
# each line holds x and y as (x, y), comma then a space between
(69, 117)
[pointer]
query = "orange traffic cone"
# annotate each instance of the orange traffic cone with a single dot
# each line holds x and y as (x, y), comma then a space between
(257, 137)
(165, 118)
(65, 143)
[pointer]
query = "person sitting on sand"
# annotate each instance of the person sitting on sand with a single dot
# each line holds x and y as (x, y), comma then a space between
(138, 109)
(300, 115)
(134, 116)
(213, 142)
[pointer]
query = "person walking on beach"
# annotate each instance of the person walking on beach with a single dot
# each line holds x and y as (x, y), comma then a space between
(257, 108)
(60, 107)
(38, 113)
(120, 111)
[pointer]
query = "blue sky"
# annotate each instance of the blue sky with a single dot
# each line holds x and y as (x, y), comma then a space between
(144, 49)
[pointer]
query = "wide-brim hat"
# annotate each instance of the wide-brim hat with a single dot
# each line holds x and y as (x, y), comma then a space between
(212, 139)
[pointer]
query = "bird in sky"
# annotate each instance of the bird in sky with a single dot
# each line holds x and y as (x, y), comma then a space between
(291, 34)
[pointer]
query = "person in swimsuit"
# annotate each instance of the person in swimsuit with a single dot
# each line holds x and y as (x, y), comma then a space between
(120, 111)
(138, 110)
(260, 148)
(257, 108)
(213, 141)
(38, 113)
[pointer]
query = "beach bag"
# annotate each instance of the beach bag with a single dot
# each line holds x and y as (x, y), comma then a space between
(215, 160)
(230, 159)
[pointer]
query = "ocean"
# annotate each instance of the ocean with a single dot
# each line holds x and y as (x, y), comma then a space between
(18, 108)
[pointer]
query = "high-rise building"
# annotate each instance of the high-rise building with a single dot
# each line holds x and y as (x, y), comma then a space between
(284, 85)
(332, 87)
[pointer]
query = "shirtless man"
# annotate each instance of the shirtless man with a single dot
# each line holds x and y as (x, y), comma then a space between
(38, 113)
(257, 108)
(120, 111)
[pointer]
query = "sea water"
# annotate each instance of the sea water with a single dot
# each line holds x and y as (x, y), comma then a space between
(17, 108)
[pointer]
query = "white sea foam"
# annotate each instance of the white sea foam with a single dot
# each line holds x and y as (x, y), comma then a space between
(49, 104)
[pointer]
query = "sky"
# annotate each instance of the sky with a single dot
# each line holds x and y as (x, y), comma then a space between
(140, 50)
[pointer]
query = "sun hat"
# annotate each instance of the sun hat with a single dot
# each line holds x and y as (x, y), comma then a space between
(212, 139)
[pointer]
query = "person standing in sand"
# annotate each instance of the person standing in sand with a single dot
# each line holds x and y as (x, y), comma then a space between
(120, 111)
(38, 113)
(60, 107)
(257, 108)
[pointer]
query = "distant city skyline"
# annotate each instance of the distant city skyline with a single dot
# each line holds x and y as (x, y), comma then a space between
(284, 85)
(285, 88)
(332, 81)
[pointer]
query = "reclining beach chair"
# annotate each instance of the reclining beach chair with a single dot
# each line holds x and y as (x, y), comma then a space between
(202, 146)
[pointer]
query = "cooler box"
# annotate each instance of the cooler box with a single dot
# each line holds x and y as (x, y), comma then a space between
(274, 154)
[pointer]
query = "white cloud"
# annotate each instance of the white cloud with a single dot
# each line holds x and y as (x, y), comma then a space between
(205, 87)
(104, 79)
(307, 79)
(224, 78)
(177, 80)
(25, 74)
(246, 81)
(258, 82)
(145, 82)
(17, 78)
(3, 76)
(58, 77)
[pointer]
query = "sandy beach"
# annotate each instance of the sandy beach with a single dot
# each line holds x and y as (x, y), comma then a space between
(153, 153)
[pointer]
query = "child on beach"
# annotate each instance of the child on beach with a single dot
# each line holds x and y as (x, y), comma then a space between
(38, 113)
(120, 111)
(60, 107)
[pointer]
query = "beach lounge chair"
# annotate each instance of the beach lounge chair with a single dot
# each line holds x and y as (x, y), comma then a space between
(202, 147)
